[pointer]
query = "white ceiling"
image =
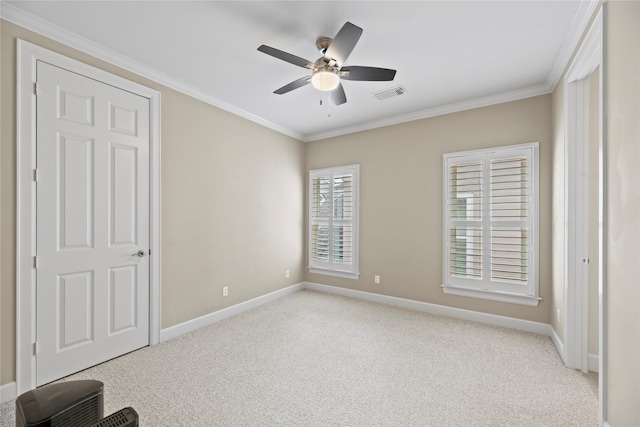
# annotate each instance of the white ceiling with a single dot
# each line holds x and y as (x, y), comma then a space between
(449, 55)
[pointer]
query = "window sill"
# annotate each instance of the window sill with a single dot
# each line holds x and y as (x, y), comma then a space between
(492, 295)
(335, 273)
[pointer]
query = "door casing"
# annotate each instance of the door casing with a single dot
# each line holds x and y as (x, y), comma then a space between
(589, 56)
(28, 55)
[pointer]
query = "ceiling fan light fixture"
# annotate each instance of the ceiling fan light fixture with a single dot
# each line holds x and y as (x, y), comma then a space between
(325, 79)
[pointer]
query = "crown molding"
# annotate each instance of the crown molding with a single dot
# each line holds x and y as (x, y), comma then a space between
(45, 28)
(456, 107)
(579, 22)
(577, 28)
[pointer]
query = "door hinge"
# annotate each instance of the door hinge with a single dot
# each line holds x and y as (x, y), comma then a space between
(585, 260)
(149, 252)
(35, 348)
(35, 262)
(35, 175)
(36, 91)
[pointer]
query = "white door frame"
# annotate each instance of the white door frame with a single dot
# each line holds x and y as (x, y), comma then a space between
(587, 59)
(28, 55)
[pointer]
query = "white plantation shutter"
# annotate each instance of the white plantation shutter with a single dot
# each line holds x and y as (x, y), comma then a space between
(465, 215)
(320, 217)
(333, 202)
(509, 212)
(342, 219)
(490, 223)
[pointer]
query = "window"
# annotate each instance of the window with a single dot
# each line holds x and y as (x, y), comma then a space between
(333, 221)
(491, 224)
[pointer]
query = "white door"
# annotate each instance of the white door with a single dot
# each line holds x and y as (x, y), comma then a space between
(92, 232)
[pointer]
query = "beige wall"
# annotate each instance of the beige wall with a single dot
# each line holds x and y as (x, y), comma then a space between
(232, 211)
(401, 198)
(622, 109)
(7, 214)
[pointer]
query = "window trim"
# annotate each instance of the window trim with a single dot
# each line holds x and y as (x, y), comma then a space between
(461, 289)
(354, 272)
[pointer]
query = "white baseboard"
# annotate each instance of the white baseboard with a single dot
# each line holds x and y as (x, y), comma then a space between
(475, 316)
(490, 319)
(558, 343)
(593, 362)
(208, 319)
(7, 392)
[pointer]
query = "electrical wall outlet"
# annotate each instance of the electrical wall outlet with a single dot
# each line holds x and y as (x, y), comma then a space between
(225, 291)
(286, 274)
(376, 279)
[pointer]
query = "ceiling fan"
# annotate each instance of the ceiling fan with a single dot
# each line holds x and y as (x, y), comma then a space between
(329, 69)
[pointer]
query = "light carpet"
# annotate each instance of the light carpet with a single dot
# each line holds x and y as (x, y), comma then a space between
(318, 359)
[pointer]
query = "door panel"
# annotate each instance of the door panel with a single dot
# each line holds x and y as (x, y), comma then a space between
(122, 298)
(75, 107)
(123, 120)
(75, 309)
(75, 192)
(92, 291)
(123, 173)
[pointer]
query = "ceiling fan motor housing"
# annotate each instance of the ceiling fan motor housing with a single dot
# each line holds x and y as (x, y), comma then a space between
(323, 44)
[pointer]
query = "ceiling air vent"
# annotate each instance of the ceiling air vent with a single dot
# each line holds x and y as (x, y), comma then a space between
(390, 93)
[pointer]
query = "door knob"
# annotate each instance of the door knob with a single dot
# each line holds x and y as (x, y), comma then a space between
(140, 253)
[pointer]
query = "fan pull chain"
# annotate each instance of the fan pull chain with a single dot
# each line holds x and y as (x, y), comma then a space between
(328, 104)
